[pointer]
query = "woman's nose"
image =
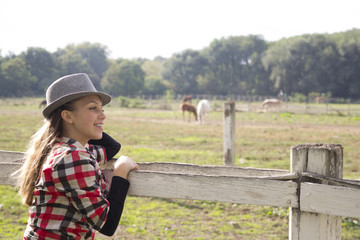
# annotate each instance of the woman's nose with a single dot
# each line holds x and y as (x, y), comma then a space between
(102, 115)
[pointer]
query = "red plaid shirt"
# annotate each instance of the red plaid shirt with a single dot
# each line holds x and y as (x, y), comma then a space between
(70, 195)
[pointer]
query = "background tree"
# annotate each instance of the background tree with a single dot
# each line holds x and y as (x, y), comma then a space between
(96, 56)
(16, 80)
(155, 86)
(307, 64)
(153, 68)
(259, 82)
(348, 44)
(284, 63)
(124, 78)
(349, 71)
(154, 83)
(183, 69)
(86, 57)
(41, 64)
(2, 79)
(231, 61)
(70, 63)
(304, 64)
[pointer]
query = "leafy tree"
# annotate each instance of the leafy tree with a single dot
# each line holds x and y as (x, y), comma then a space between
(111, 82)
(153, 68)
(349, 72)
(96, 56)
(259, 82)
(231, 64)
(86, 57)
(70, 63)
(348, 81)
(285, 60)
(2, 80)
(322, 63)
(123, 78)
(183, 69)
(303, 64)
(16, 80)
(41, 64)
(155, 85)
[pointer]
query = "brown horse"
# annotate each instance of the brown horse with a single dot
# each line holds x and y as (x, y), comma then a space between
(190, 108)
(187, 98)
(43, 103)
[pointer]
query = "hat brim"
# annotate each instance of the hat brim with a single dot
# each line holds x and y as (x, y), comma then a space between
(105, 99)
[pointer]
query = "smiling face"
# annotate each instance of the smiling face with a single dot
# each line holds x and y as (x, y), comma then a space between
(86, 121)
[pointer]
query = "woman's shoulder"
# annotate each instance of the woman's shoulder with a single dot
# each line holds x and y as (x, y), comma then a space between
(67, 151)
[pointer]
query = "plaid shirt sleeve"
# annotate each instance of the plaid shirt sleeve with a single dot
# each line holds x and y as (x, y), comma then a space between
(77, 175)
(99, 153)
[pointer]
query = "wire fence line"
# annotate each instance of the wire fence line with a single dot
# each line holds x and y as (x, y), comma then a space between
(252, 103)
(339, 106)
(308, 105)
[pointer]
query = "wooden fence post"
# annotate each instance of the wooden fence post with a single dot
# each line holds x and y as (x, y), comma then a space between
(326, 160)
(229, 133)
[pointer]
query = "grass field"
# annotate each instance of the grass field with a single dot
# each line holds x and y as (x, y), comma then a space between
(148, 134)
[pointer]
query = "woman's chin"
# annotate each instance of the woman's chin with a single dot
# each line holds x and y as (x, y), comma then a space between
(97, 136)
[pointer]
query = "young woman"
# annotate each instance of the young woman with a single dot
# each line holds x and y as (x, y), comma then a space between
(61, 180)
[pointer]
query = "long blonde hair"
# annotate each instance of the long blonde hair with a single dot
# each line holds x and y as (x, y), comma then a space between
(39, 148)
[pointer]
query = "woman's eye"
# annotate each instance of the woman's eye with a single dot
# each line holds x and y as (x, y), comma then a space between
(96, 109)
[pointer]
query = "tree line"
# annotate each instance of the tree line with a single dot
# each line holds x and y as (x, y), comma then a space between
(327, 64)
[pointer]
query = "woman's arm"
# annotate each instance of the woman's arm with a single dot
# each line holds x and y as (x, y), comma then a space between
(116, 198)
(118, 191)
(112, 147)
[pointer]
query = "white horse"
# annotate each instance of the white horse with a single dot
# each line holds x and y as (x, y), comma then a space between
(203, 109)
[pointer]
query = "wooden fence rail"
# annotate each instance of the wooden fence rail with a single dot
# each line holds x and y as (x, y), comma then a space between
(316, 207)
(313, 189)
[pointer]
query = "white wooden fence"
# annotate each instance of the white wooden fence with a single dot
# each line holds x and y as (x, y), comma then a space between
(313, 189)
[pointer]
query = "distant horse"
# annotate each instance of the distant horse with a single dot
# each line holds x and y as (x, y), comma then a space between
(203, 109)
(187, 98)
(271, 103)
(43, 103)
(190, 108)
(320, 99)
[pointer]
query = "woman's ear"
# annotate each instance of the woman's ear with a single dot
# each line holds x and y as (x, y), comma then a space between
(67, 116)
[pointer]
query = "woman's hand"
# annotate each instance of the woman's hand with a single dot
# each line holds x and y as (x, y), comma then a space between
(123, 166)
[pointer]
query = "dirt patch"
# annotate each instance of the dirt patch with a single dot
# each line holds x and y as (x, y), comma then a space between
(245, 124)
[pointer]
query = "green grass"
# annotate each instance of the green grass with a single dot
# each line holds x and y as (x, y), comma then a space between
(13, 214)
(263, 140)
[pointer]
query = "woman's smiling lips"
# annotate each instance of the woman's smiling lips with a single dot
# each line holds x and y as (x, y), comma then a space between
(99, 125)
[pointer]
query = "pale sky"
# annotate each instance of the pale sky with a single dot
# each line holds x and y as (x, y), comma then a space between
(150, 28)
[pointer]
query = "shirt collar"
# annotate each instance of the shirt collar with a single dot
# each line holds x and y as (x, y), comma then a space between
(75, 143)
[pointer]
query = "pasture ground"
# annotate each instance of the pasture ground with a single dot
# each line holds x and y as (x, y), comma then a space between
(149, 133)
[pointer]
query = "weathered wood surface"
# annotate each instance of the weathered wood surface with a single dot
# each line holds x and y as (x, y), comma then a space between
(14, 158)
(9, 162)
(352, 183)
(186, 168)
(10, 156)
(6, 170)
(322, 159)
(212, 183)
(214, 188)
(332, 200)
(224, 184)
(229, 133)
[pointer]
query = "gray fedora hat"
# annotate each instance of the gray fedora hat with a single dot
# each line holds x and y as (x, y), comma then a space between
(69, 88)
